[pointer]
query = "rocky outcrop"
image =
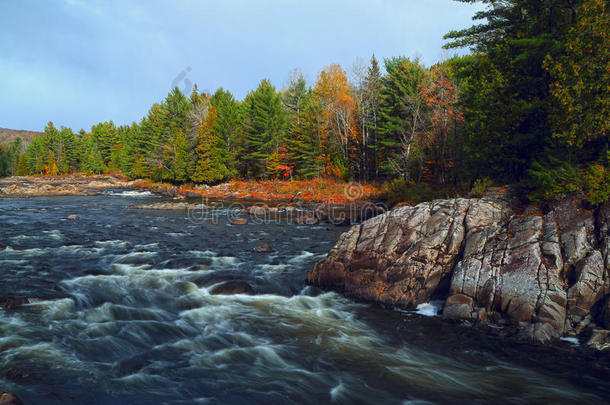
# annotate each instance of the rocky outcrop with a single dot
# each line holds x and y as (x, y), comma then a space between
(490, 260)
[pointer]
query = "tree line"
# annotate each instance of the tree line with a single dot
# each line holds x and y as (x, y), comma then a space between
(529, 105)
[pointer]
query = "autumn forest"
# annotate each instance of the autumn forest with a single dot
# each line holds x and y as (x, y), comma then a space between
(529, 105)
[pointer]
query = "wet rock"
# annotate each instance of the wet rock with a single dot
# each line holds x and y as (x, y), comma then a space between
(398, 258)
(239, 221)
(72, 217)
(9, 303)
(493, 261)
(258, 211)
(233, 287)
(600, 339)
(8, 398)
(264, 248)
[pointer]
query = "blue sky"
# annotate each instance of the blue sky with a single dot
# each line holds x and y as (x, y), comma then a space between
(79, 62)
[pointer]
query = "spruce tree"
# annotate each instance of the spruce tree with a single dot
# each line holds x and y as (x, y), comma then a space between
(305, 140)
(106, 137)
(229, 122)
(263, 129)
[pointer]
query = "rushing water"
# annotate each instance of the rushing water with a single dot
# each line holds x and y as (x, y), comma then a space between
(121, 314)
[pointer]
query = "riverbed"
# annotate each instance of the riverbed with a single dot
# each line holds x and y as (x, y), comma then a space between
(122, 312)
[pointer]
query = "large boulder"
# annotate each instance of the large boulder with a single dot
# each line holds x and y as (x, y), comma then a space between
(490, 259)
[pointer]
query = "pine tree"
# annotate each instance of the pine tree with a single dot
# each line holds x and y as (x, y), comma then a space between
(402, 115)
(505, 88)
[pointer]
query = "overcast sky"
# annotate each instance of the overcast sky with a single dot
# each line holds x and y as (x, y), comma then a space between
(79, 62)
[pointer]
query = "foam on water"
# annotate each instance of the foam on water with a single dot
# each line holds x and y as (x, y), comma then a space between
(429, 308)
(132, 193)
(572, 340)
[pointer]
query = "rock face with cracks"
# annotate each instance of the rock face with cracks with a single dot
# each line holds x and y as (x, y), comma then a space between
(489, 259)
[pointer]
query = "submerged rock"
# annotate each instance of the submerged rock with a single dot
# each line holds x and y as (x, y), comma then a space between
(72, 217)
(11, 302)
(239, 221)
(233, 287)
(544, 273)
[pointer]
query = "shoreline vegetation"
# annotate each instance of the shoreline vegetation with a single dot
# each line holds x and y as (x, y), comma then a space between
(273, 191)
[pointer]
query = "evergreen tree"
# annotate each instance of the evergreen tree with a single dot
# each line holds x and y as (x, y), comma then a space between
(264, 126)
(581, 101)
(181, 166)
(402, 115)
(13, 152)
(209, 167)
(226, 130)
(91, 158)
(3, 161)
(106, 137)
(369, 117)
(22, 168)
(506, 90)
(305, 140)
(147, 140)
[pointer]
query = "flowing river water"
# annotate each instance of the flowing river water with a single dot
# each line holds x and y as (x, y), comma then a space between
(120, 312)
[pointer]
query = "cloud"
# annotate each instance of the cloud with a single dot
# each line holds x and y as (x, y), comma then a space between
(79, 62)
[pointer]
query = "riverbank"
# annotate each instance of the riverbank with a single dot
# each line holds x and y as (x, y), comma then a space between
(298, 191)
(77, 184)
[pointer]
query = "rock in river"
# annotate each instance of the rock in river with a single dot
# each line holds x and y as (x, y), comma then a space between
(233, 287)
(489, 259)
(11, 302)
(7, 398)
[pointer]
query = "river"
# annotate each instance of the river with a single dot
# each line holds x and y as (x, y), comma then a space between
(120, 312)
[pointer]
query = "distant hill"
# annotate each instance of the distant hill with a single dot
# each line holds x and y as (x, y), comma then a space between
(7, 135)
